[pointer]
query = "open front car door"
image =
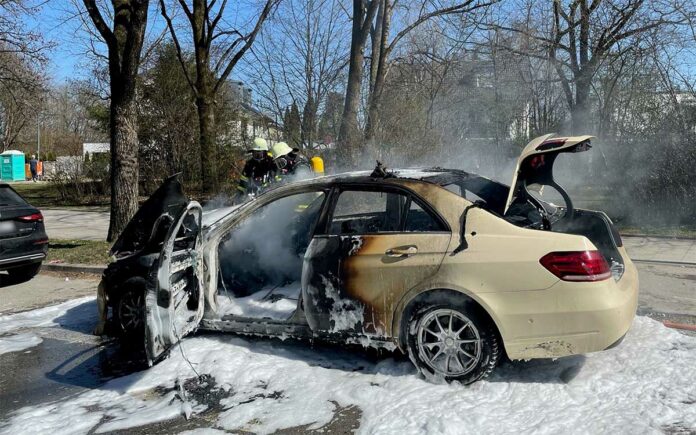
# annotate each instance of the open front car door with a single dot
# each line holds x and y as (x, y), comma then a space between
(174, 300)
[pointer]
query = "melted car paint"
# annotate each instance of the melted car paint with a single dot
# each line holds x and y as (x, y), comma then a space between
(345, 314)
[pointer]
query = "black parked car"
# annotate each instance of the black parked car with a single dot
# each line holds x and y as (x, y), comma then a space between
(23, 239)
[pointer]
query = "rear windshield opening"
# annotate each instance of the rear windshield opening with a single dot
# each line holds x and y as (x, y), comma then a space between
(9, 197)
(475, 188)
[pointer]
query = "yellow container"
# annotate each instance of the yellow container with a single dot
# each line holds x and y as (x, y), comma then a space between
(317, 164)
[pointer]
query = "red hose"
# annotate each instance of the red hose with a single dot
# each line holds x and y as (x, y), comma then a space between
(683, 326)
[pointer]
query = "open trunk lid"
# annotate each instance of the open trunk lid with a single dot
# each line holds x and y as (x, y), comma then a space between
(535, 164)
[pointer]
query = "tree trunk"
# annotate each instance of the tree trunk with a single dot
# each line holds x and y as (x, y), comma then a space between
(124, 161)
(349, 135)
(206, 126)
(580, 111)
(124, 44)
(380, 69)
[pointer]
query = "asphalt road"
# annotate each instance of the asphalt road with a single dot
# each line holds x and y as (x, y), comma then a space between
(47, 288)
(70, 360)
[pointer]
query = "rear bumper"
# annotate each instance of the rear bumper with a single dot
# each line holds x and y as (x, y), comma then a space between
(567, 318)
(22, 251)
(22, 260)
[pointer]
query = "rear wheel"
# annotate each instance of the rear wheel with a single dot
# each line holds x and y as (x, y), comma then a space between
(23, 273)
(453, 341)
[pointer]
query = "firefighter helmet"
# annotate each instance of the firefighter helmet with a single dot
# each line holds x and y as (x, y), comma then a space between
(281, 149)
(260, 144)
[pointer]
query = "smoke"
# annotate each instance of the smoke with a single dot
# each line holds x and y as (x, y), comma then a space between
(267, 247)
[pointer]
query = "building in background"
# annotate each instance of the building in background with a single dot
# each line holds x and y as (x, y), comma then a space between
(92, 148)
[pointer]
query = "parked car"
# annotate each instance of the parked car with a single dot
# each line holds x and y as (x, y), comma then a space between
(23, 240)
(450, 267)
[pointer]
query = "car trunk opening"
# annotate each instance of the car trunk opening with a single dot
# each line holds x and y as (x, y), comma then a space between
(521, 206)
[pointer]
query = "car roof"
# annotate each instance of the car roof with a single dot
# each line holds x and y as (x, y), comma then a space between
(439, 176)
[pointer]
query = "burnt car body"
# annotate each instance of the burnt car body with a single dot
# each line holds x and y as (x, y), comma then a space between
(23, 240)
(404, 259)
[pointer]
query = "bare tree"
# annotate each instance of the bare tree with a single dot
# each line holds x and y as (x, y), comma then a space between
(218, 47)
(124, 41)
(300, 59)
(578, 36)
(383, 46)
(349, 136)
(26, 46)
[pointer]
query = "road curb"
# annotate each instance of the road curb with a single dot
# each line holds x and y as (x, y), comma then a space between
(75, 268)
(656, 236)
(667, 262)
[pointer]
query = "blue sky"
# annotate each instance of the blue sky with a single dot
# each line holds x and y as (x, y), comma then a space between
(58, 22)
(54, 23)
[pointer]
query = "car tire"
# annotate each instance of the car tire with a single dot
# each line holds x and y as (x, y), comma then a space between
(22, 274)
(452, 341)
(129, 309)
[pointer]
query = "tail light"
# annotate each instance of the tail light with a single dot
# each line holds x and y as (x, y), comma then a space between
(34, 217)
(577, 265)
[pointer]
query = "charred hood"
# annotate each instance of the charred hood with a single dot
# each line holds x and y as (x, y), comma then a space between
(150, 224)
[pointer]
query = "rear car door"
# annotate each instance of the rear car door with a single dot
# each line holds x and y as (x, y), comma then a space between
(174, 299)
(376, 244)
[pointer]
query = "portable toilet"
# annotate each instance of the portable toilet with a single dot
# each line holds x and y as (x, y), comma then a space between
(12, 166)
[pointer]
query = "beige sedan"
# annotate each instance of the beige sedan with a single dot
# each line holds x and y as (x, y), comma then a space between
(450, 267)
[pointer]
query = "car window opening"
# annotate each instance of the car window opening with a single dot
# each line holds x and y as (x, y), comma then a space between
(361, 212)
(260, 259)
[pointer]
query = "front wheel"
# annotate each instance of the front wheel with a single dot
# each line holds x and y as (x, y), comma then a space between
(130, 311)
(453, 342)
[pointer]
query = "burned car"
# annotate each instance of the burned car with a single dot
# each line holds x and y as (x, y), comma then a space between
(450, 267)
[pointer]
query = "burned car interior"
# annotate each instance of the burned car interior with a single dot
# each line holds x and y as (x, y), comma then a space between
(260, 259)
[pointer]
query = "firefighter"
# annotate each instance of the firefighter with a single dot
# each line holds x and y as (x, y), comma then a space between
(259, 171)
(290, 163)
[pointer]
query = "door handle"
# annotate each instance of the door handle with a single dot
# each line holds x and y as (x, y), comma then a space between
(404, 251)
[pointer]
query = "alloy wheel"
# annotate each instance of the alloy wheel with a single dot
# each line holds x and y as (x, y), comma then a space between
(448, 342)
(131, 311)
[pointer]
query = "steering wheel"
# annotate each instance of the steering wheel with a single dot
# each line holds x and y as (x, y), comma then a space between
(570, 209)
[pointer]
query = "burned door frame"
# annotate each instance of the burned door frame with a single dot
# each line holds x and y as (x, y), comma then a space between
(162, 293)
(326, 268)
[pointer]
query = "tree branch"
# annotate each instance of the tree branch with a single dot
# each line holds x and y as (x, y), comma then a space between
(249, 40)
(179, 55)
(101, 25)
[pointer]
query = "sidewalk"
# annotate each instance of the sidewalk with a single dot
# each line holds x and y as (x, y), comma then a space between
(76, 224)
(660, 249)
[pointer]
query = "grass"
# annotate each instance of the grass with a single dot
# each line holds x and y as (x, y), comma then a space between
(38, 194)
(78, 251)
(46, 194)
